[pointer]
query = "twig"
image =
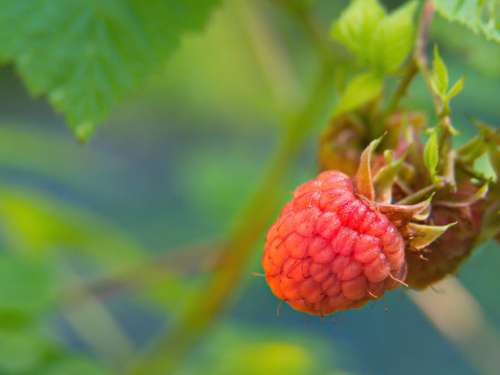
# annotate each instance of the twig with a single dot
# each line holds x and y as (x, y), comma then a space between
(410, 73)
(421, 49)
(417, 63)
(423, 193)
(170, 350)
(298, 10)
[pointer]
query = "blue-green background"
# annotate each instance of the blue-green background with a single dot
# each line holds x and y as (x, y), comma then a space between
(169, 171)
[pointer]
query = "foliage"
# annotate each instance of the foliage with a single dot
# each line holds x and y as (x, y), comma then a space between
(100, 51)
(480, 16)
(380, 43)
(431, 153)
(440, 82)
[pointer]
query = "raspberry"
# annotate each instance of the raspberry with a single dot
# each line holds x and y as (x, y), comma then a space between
(331, 249)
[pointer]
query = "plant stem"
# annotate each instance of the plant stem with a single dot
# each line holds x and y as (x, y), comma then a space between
(421, 50)
(171, 349)
(298, 10)
(423, 193)
(410, 73)
(418, 63)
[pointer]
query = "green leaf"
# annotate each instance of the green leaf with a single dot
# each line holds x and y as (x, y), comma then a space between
(356, 25)
(439, 77)
(478, 15)
(360, 90)
(456, 89)
(87, 55)
(431, 153)
(393, 39)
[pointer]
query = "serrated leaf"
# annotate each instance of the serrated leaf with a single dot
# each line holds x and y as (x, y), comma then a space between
(440, 80)
(360, 90)
(431, 154)
(393, 39)
(480, 16)
(356, 25)
(87, 55)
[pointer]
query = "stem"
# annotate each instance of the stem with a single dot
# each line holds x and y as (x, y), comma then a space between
(410, 73)
(422, 194)
(421, 50)
(298, 10)
(171, 349)
(418, 63)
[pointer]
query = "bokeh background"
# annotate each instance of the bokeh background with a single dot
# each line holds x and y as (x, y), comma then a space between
(137, 211)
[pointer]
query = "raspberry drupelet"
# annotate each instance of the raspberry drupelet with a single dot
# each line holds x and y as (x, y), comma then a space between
(334, 247)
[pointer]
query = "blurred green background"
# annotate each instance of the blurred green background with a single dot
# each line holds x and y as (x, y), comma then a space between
(164, 179)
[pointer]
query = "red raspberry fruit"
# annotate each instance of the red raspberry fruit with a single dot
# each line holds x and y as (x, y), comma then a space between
(332, 249)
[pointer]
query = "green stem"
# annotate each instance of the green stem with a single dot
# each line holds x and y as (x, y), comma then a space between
(423, 193)
(410, 72)
(169, 351)
(421, 50)
(417, 64)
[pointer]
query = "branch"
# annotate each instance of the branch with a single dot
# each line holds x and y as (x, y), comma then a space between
(418, 63)
(170, 350)
(299, 11)
(421, 49)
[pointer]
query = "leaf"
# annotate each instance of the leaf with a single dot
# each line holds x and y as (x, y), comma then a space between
(456, 89)
(87, 55)
(356, 25)
(431, 153)
(439, 77)
(384, 180)
(393, 39)
(359, 90)
(478, 15)
(423, 235)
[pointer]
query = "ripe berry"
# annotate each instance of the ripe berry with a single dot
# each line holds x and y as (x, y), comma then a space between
(331, 250)
(340, 242)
